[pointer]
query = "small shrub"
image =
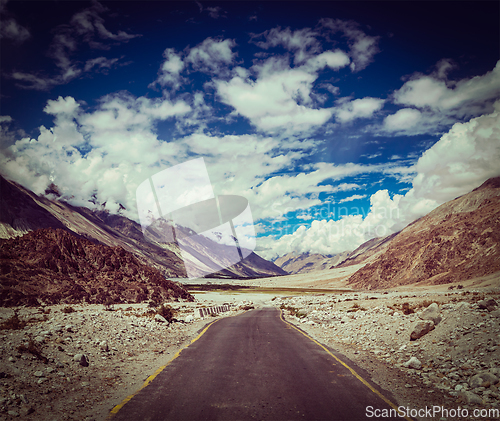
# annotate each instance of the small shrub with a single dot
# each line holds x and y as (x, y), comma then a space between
(406, 309)
(167, 312)
(68, 310)
(14, 323)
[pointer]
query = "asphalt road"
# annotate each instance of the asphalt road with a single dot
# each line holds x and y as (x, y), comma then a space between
(255, 367)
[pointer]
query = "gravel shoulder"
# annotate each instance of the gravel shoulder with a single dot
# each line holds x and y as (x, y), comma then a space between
(373, 331)
(127, 344)
(43, 375)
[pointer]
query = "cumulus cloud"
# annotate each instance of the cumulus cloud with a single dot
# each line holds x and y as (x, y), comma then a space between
(433, 102)
(347, 110)
(212, 56)
(461, 160)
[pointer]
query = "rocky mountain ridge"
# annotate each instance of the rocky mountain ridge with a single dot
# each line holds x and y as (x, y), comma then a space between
(53, 266)
(457, 241)
(22, 211)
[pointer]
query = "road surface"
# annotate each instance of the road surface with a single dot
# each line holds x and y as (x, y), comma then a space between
(255, 366)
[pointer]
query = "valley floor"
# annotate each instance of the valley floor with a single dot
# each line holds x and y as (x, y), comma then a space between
(126, 345)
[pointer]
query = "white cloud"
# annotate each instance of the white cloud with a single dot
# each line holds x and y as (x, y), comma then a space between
(302, 42)
(347, 110)
(403, 119)
(276, 100)
(460, 161)
(211, 55)
(362, 46)
(352, 198)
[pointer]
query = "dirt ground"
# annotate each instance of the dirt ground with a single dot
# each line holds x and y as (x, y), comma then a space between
(42, 378)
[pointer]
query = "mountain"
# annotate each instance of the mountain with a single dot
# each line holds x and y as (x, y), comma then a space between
(53, 266)
(22, 211)
(457, 241)
(308, 262)
(365, 251)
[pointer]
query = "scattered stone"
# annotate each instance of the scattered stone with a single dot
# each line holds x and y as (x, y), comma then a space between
(421, 329)
(470, 397)
(104, 346)
(38, 373)
(484, 379)
(431, 313)
(413, 362)
(82, 359)
(160, 319)
(489, 304)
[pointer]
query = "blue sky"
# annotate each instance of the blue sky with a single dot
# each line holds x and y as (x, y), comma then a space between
(338, 121)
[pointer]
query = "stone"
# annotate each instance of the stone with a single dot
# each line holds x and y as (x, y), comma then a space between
(481, 379)
(489, 304)
(104, 346)
(421, 329)
(160, 319)
(38, 373)
(413, 362)
(469, 397)
(82, 359)
(431, 313)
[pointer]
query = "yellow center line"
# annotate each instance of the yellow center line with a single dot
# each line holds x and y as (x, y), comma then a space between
(361, 379)
(115, 410)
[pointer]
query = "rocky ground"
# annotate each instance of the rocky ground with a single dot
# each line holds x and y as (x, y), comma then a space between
(76, 362)
(456, 364)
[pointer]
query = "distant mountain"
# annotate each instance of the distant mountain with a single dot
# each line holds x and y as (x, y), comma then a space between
(457, 241)
(309, 262)
(53, 266)
(22, 211)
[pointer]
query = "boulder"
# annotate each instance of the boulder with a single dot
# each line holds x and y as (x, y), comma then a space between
(160, 319)
(82, 359)
(104, 346)
(484, 379)
(431, 313)
(413, 362)
(469, 397)
(489, 304)
(421, 329)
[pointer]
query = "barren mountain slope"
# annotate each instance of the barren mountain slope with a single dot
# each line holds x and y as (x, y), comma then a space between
(457, 241)
(54, 266)
(308, 262)
(22, 211)
(367, 251)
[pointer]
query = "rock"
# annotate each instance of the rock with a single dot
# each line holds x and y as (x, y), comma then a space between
(481, 379)
(489, 304)
(469, 397)
(413, 362)
(104, 346)
(431, 313)
(38, 373)
(421, 329)
(160, 319)
(82, 359)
